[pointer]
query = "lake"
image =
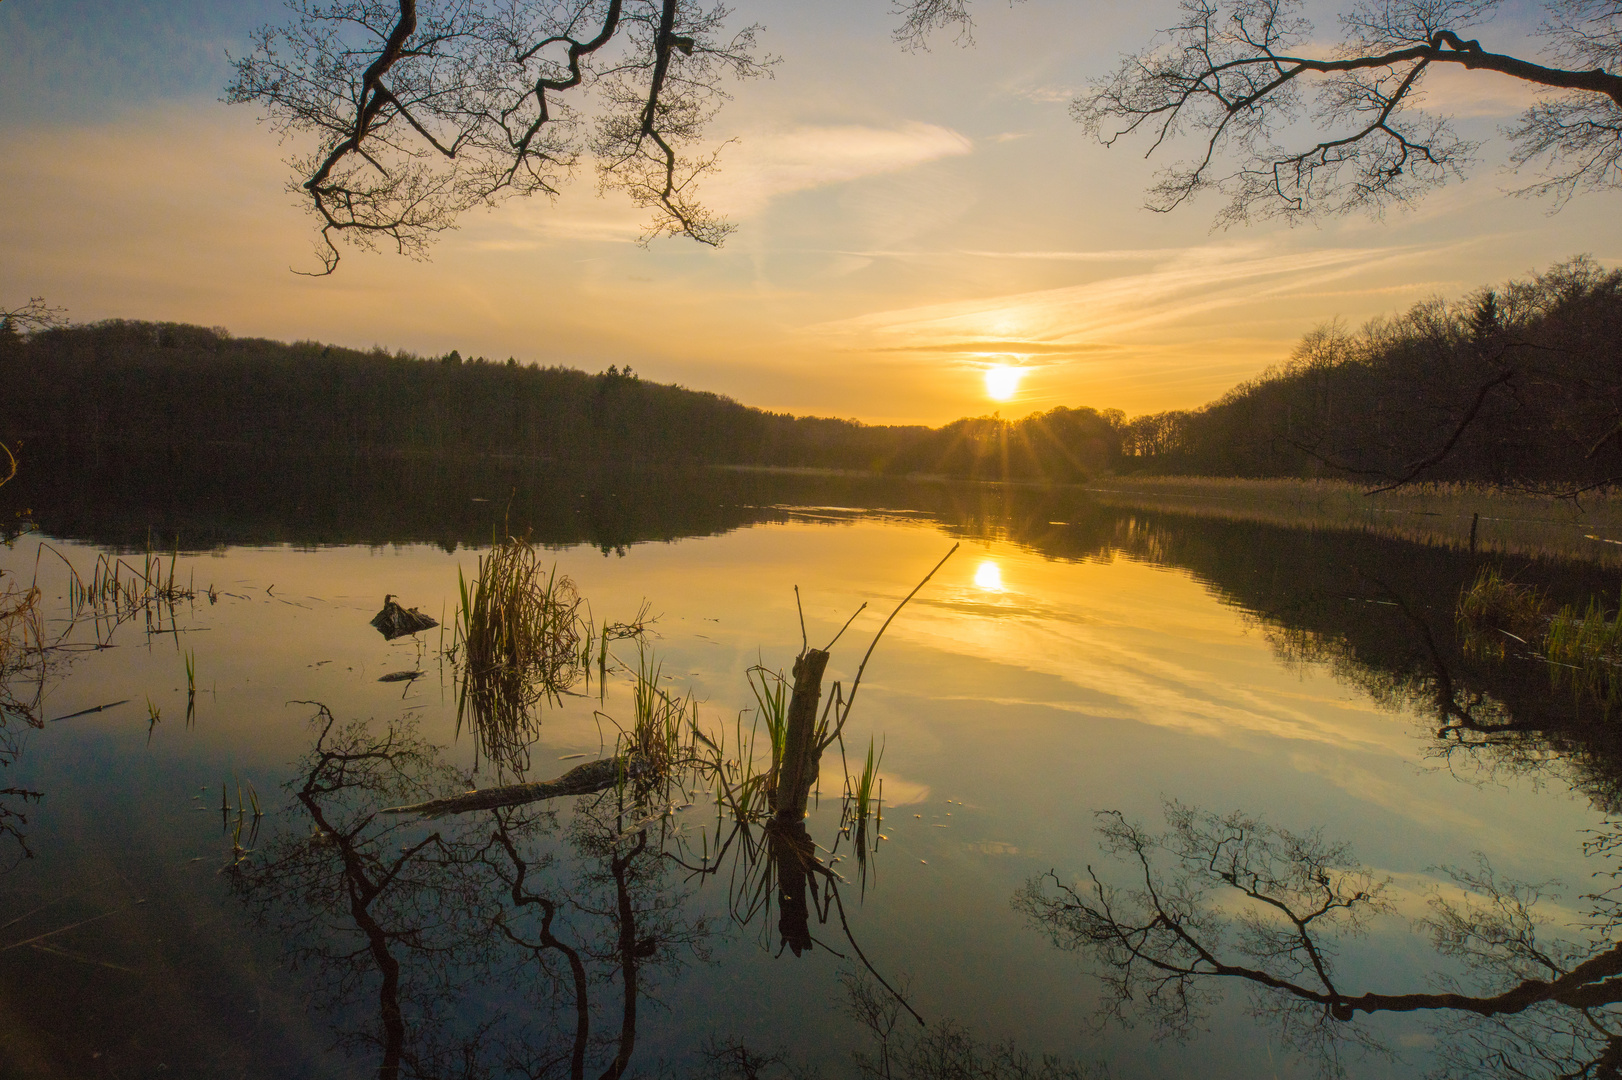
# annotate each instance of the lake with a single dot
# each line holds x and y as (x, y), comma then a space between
(1068, 660)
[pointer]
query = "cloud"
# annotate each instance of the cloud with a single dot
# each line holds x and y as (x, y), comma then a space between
(1029, 348)
(1197, 282)
(761, 167)
(1048, 95)
(1453, 91)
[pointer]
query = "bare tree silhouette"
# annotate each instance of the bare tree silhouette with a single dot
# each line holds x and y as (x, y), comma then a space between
(419, 112)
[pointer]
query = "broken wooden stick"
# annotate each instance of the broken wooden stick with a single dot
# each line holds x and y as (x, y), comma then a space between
(587, 779)
(801, 754)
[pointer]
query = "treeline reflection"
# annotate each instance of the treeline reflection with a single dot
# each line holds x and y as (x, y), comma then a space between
(1379, 612)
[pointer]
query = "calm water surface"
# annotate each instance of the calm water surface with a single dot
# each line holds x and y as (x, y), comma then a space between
(1067, 660)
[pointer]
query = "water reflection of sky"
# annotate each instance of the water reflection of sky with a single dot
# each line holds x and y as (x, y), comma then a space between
(1014, 698)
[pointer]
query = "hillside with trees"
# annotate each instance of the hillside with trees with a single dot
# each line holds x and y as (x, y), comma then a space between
(1520, 385)
(171, 392)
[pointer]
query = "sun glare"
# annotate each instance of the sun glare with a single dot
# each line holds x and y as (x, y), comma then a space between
(988, 576)
(1002, 381)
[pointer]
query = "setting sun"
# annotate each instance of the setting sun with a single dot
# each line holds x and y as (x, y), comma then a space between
(1002, 381)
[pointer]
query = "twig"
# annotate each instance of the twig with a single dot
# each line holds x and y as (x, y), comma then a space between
(805, 643)
(857, 683)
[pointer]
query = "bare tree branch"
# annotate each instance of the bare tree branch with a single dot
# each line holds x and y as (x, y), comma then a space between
(33, 316)
(421, 111)
(1232, 76)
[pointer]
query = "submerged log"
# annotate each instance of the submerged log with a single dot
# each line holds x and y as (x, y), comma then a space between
(801, 756)
(587, 779)
(395, 621)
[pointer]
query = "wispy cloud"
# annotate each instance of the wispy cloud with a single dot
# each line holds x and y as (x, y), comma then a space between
(763, 166)
(1030, 348)
(1087, 316)
(755, 169)
(1454, 91)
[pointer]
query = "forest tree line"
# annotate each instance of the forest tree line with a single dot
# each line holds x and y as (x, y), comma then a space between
(1520, 384)
(175, 391)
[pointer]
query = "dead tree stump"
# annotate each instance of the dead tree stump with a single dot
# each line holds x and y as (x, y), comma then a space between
(798, 771)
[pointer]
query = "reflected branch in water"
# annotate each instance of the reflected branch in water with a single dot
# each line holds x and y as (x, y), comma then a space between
(1233, 900)
(420, 940)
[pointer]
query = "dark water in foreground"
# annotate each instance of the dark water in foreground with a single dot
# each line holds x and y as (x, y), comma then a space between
(1069, 659)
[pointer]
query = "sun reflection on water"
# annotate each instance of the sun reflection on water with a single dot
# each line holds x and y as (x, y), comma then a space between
(988, 576)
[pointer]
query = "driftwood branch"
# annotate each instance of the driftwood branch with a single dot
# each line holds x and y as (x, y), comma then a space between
(587, 779)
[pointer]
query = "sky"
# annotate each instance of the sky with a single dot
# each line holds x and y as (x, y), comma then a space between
(906, 222)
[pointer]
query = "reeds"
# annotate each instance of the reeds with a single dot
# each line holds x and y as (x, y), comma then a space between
(516, 618)
(1493, 612)
(771, 690)
(659, 741)
(517, 641)
(1582, 647)
(247, 817)
(864, 802)
(119, 591)
(1585, 653)
(521, 636)
(191, 687)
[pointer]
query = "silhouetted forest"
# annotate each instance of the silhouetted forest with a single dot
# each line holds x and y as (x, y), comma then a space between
(1521, 384)
(180, 392)
(1516, 385)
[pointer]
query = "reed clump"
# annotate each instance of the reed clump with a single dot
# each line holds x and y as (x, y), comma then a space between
(658, 742)
(119, 591)
(523, 635)
(1582, 646)
(22, 657)
(519, 618)
(1585, 652)
(1494, 612)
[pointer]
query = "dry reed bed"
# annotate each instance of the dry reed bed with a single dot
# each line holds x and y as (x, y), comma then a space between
(1506, 521)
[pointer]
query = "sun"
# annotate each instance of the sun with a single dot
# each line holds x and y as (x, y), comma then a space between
(1002, 381)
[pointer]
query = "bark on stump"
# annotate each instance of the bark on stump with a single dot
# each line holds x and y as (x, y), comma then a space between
(798, 770)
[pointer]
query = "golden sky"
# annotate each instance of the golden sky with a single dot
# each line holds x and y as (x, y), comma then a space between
(906, 222)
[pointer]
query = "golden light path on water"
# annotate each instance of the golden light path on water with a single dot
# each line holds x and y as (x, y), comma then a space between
(988, 576)
(1078, 657)
(1030, 692)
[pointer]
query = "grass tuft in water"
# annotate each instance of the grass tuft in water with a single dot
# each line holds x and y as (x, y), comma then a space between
(1493, 612)
(191, 687)
(1585, 653)
(522, 635)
